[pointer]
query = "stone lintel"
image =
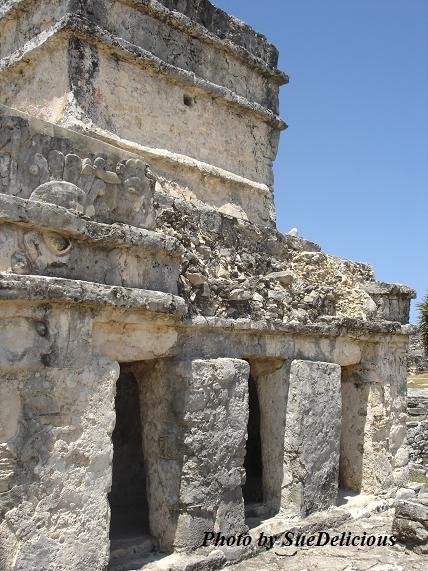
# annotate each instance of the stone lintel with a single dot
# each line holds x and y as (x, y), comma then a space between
(358, 329)
(31, 289)
(131, 324)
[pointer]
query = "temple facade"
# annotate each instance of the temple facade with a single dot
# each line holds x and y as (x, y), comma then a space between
(170, 363)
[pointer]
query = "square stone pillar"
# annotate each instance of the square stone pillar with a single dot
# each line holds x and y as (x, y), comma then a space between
(55, 441)
(312, 437)
(194, 417)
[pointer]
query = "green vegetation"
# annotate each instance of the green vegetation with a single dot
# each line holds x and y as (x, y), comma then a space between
(419, 478)
(423, 320)
(418, 381)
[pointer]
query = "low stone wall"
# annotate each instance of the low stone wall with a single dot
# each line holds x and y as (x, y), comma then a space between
(417, 429)
(418, 440)
(417, 357)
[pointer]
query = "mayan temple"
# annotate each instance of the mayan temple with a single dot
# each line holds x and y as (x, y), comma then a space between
(170, 363)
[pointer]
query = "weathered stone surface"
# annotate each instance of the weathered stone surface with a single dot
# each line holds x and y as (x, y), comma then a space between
(151, 244)
(410, 523)
(51, 241)
(418, 356)
(93, 41)
(392, 300)
(338, 558)
(312, 436)
(194, 432)
(62, 441)
(411, 510)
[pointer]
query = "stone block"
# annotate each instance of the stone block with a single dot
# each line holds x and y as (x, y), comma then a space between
(413, 510)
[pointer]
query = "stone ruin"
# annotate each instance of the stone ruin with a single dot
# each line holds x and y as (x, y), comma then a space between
(170, 362)
(417, 359)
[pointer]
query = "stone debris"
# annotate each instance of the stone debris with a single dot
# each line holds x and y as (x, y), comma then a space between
(410, 523)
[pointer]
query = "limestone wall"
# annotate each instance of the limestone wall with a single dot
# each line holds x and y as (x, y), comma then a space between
(417, 425)
(228, 268)
(203, 98)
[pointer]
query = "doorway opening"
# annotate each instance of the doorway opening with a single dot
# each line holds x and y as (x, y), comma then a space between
(253, 487)
(352, 438)
(128, 496)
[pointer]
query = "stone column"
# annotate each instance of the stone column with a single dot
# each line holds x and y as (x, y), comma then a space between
(56, 420)
(374, 451)
(312, 437)
(195, 416)
(58, 450)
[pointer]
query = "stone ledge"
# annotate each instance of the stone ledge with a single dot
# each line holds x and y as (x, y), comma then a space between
(328, 326)
(50, 217)
(30, 289)
(196, 24)
(382, 288)
(222, 25)
(85, 29)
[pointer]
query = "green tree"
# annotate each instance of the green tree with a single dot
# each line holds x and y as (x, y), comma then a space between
(423, 320)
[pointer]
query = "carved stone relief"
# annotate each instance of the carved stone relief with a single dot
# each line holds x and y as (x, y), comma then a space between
(47, 169)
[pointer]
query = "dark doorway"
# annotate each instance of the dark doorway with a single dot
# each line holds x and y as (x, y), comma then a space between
(253, 488)
(128, 499)
(355, 394)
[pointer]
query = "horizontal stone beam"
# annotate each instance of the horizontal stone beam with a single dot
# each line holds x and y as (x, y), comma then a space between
(15, 287)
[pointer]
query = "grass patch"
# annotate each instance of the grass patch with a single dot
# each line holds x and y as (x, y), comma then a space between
(418, 381)
(419, 478)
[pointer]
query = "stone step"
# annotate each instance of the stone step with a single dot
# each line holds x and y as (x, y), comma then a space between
(416, 411)
(128, 553)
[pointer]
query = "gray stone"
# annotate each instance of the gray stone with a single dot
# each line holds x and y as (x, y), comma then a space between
(312, 435)
(284, 278)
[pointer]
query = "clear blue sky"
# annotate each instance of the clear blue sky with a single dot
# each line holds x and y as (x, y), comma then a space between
(352, 168)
